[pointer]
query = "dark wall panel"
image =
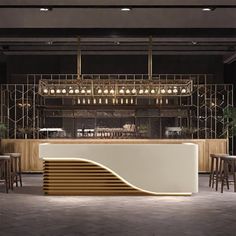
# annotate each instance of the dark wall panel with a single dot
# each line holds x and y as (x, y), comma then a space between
(110, 64)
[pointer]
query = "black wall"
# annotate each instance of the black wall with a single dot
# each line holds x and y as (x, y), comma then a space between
(104, 64)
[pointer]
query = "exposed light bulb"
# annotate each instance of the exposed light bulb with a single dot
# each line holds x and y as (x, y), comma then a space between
(127, 91)
(63, 91)
(83, 91)
(58, 91)
(141, 91)
(112, 91)
(183, 90)
(106, 91)
(71, 91)
(163, 91)
(152, 91)
(134, 91)
(76, 91)
(99, 91)
(45, 91)
(146, 91)
(89, 91)
(175, 90)
(121, 91)
(52, 91)
(169, 91)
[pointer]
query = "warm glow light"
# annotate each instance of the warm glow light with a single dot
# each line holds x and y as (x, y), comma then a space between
(131, 101)
(126, 100)
(183, 90)
(134, 90)
(175, 90)
(94, 101)
(141, 91)
(121, 91)
(88, 101)
(106, 101)
(83, 100)
(169, 91)
(78, 101)
(157, 101)
(76, 91)
(112, 91)
(106, 91)
(146, 91)
(99, 91)
(163, 90)
(52, 91)
(121, 101)
(83, 91)
(160, 101)
(58, 91)
(44, 9)
(127, 91)
(63, 91)
(71, 91)
(45, 91)
(100, 101)
(89, 91)
(113, 100)
(152, 91)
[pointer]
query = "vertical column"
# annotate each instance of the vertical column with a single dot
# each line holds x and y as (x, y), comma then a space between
(79, 59)
(150, 58)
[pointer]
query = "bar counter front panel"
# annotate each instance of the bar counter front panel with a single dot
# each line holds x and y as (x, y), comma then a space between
(120, 169)
(31, 162)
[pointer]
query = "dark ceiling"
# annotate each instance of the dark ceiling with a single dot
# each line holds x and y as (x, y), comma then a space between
(177, 27)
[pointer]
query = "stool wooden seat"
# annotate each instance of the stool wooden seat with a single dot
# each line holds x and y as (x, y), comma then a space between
(15, 168)
(5, 170)
(215, 169)
(228, 167)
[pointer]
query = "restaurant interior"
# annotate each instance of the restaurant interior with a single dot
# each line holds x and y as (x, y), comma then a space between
(117, 117)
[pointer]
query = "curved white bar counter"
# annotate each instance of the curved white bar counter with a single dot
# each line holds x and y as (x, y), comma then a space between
(162, 169)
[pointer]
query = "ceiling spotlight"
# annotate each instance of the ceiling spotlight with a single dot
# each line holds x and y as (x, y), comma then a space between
(175, 90)
(127, 91)
(45, 9)
(112, 91)
(163, 91)
(52, 91)
(208, 9)
(152, 91)
(99, 91)
(45, 91)
(121, 91)
(134, 91)
(125, 9)
(169, 91)
(183, 90)
(58, 91)
(141, 91)
(106, 91)
(63, 91)
(76, 91)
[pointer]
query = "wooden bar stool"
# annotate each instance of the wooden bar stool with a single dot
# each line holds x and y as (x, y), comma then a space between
(5, 170)
(15, 168)
(228, 167)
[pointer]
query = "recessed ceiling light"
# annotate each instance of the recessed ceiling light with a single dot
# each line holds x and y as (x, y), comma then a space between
(194, 42)
(125, 9)
(208, 9)
(45, 9)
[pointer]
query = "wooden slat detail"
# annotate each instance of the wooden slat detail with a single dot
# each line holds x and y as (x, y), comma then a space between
(72, 178)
